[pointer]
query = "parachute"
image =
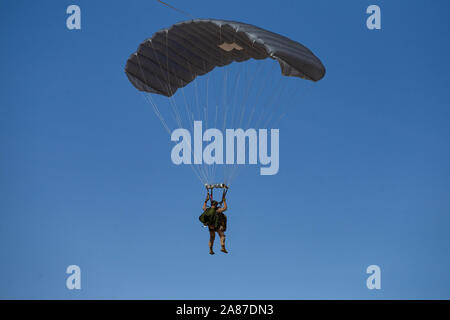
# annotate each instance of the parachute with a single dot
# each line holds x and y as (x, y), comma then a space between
(173, 58)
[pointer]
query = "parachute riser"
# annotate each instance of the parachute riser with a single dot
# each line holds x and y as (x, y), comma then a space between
(211, 187)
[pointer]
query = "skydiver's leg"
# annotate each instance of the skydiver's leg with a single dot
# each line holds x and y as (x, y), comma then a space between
(212, 236)
(222, 240)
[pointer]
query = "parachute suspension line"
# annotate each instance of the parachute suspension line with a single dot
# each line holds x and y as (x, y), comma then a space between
(215, 126)
(216, 103)
(266, 107)
(267, 111)
(149, 99)
(267, 104)
(256, 102)
(156, 111)
(203, 169)
(189, 116)
(247, 92)
(174, 115)
(172, 99)
(176, 9)
(208, 124)
(233, 110)
(224, 103)
(206, 102)
(200, 175)
(236, 86)
(205, 107)
(191, 119)
(200, 111)
(233, 123)
(295, 97)
(162, 72)
(234, 168)
(243, 105)
(191, 124)
(147, 96)
(271, 114)
(158, 114)
(225, 106)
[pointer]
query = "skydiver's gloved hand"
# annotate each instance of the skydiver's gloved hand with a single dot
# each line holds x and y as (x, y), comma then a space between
(207, 197)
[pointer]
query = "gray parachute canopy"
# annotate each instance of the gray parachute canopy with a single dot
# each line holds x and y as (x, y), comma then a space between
(174, 57)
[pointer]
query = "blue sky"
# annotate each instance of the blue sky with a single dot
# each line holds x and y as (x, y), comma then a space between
(86, 176)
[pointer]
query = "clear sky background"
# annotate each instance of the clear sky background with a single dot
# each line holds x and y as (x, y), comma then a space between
(86, 176)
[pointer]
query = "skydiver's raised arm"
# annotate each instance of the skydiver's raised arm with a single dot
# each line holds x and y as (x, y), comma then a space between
(204, 203)
(224, 208)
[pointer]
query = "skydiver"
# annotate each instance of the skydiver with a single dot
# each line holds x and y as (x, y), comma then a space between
(216, 220)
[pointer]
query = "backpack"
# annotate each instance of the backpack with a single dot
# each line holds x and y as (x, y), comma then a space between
(209, 217)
